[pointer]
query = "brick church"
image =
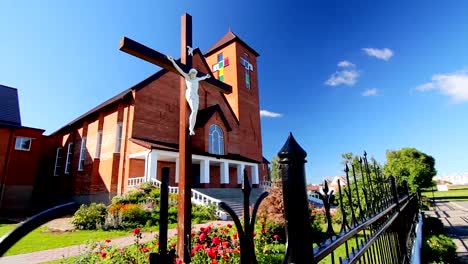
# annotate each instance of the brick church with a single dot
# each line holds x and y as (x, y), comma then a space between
(129, 138)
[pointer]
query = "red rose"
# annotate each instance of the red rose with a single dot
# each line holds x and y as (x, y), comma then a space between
(234, 236)
(136, 231)
(145, 249)
(275, 236)
(103, 254)
(202, 236)
(215, 240)
(108, 240)
(229, 225)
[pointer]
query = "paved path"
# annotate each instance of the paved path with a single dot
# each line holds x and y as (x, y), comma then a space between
(58, 253)
(454, 215)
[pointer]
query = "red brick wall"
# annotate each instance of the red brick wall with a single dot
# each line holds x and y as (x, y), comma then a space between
(107, 173)
(157, 110)
(6, 137)
(23, 172)
(137, 168)
(23, 166)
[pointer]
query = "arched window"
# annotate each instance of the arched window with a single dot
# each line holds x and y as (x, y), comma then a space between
(216, 142)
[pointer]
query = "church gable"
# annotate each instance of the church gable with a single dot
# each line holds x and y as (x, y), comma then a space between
(156, 115)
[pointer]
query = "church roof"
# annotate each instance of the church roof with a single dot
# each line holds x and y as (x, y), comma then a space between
(205, 114)
(9, 110)
(227, 39)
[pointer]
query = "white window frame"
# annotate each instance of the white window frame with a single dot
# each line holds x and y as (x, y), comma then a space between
(98, 145)
(81, 161)
(69, 156)
(216, 133)
(118, 137)
(58, 161)
(21, 142)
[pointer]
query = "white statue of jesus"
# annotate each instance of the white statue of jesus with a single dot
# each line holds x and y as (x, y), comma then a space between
(191, 93)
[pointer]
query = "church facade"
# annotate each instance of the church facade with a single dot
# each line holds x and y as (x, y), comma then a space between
(129, 138)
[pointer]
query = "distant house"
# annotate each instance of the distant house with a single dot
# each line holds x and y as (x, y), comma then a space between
(453, 178)
(335, 181)
(24, 153)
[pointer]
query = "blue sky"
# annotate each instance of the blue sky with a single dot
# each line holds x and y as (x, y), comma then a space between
(317, 61)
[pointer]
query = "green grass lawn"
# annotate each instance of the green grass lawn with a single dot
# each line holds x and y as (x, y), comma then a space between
(459, 193)
(42, 239)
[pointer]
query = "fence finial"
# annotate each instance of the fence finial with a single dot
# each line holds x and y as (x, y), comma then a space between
(296, 212)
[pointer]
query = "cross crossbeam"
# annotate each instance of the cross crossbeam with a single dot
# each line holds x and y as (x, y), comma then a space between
(150, 55)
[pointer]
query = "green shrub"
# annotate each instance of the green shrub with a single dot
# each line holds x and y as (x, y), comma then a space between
(155, 193)
(202, 213)
(87, 217)
(172, 215)
(134, 215)
(439, 249)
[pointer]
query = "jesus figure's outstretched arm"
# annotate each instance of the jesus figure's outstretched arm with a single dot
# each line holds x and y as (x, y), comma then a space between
(178, 68)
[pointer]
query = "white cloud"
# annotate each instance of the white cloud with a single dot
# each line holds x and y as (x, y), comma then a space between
(345, 64)
(370, 92)
(267, 113)
(383, 54)
(347, 77)
(453, 84)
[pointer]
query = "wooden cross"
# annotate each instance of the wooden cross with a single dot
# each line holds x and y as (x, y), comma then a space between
(136, 49)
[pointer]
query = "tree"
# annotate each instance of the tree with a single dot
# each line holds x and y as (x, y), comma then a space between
(275, 171)
(412, 165)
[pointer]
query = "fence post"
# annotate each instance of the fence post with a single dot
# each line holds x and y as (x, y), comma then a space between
(163, 257)
(393, 189)
(296, 213)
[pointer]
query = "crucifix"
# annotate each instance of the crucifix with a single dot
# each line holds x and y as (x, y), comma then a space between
(184, 68)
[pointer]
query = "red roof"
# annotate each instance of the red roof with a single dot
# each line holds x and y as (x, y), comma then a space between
(227, 39)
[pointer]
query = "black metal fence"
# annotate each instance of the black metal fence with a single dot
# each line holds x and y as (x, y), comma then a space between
(377, 216)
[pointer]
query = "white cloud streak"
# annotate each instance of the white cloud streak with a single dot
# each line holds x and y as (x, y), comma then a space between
(453, 84)
(383, 54)
(370, 92)
(266, 113)
(345, 64)
(346, 77)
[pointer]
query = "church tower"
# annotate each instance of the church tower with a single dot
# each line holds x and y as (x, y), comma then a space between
(234, 62)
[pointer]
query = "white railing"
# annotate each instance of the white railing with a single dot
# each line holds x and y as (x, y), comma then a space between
(132, 182)
(157, 183)
(196, 197)
(203, 199)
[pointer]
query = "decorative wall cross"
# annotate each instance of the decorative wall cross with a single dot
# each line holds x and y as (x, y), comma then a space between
(220, 65)
(248, 68)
